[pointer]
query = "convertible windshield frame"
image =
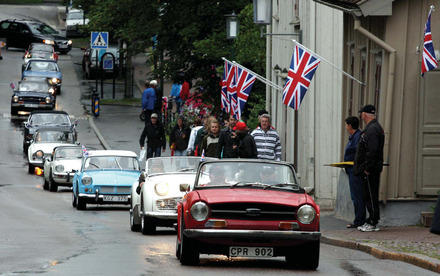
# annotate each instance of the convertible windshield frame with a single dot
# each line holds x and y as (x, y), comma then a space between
(99, 167)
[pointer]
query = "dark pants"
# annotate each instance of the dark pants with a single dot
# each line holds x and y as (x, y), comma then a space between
(370, 184)
(148, 113)
(356, 193)
(153, 152)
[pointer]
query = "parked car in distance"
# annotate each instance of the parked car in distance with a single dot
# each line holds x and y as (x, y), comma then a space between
(89, 67)
(21, 33)
(47, 69)
(167, 179)
(106, 177)
(32, 95)
(248, 208)
(59, 168)
(46, 119)
(74, 20)
(45, 140)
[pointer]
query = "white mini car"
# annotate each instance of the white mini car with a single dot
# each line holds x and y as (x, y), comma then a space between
(61, 166)
(45, 140)
(167, 179)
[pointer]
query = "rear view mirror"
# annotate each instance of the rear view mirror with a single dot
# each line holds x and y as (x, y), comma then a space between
(184, 187)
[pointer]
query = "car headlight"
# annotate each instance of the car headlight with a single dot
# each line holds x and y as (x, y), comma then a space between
(51, 91)
(54, 81)
(69, 42)
(306, 214)
(38, 154)
(48, 100)
(48, 41)
(15, 98)
(161, 189)
(86, 180)
(199, 211)
(59, 168)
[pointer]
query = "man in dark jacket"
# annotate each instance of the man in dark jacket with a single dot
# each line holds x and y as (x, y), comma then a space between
(179, 137)
(356, 193)
(227, 140)
(155, 135)
(246, 145)
(368, 165)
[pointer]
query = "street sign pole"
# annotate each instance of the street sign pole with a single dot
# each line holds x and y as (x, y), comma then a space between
(99, 40)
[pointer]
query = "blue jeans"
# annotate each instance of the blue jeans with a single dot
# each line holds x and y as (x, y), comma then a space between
(180, 153)
(153, 152)
(356, 193)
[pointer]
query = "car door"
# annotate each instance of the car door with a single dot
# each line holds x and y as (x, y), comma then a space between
(13, 35)
(25, 36)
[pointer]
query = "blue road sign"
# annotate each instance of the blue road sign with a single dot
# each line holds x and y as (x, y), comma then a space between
(99, 40)
(107, 64)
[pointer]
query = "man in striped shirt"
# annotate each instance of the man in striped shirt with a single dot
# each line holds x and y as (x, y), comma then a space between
(267, 140)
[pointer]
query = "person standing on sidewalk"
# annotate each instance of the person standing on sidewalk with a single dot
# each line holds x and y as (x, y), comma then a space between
(368, 165)
(227, 140)
(210, 141)
(149, 99)
(267, 140)
(355, 182)
(179, 137)
(155, 134)
(246, 147)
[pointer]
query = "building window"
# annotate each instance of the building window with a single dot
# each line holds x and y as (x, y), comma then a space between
(377, 80)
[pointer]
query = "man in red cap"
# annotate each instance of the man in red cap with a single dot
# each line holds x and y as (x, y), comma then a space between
(246, 145)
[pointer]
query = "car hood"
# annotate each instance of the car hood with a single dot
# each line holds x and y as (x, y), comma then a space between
(228, 195)
(32, 94)
(47, 148)
(113, 177)
(69, 165)
(44, 74)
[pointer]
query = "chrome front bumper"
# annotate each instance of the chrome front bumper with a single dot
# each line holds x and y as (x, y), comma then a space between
(63, 177)
(98, 198)
(263, 234)
(161, 215)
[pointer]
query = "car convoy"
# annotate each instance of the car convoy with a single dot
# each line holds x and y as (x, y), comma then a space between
(233, 207)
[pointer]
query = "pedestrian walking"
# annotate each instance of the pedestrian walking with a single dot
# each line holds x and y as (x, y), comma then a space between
(175, 94)
(368, 165)
(355, 182)
(155, 134)
(267, 140)
(227, 139)
(246, 147)
(210, 142)
(149, 99)
(179, 137)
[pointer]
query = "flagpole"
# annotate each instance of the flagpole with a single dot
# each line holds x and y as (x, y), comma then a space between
(328, 62)
(266, 81)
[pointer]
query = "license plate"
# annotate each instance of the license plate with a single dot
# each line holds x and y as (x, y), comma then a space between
(62, 46)
(115, 198)
(31, 105)
(236, 251)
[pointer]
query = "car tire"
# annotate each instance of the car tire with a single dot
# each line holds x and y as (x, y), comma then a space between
(53, 187)
(147, 226)
(31, 169)
(80, 203)
(189, 255)
(73, 200)
(45, 184)
(306, 256)
(133, 226)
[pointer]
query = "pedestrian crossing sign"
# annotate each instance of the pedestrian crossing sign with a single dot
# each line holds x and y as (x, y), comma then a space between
(99, 40)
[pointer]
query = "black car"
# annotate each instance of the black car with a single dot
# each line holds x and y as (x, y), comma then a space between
(32, 95)
(40, 118)
(21, 33)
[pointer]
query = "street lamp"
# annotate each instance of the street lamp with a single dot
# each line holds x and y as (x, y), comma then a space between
(262, 12)
(284, 74)
(231, 26)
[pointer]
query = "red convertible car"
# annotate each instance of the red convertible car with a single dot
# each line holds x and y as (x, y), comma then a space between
(248, 208)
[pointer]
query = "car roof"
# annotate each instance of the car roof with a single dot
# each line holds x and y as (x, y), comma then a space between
(40, 60)
(56, 128)
(34, 81)
(244, 160)
(125, 153)
(49, 111)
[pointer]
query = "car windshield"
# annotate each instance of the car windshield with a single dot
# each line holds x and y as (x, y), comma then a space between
(54, 136)
(74, 15)
(247, 174)
(41, 55)
(41, 47)
(68, 153)
(49, 119)
(42, 66)
(111, 162)
(42, 29)
(33, 86)
(173, 165)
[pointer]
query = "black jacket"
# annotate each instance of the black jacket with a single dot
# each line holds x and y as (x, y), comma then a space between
(155, 135)
(209, 145)
(369, 153)
(247, 147)
(225, 144)
(176, 137)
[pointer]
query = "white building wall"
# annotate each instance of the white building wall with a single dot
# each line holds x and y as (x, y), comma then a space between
(320, 115)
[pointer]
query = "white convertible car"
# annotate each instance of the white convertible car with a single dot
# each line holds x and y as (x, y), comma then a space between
(167, 179)
(45, 140)
(61, 166)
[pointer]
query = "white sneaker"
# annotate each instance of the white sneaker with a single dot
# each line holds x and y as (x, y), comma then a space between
(362, 226)
(368, 228)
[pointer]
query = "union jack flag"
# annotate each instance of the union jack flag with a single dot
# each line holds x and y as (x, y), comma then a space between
(301, 71)
(227, 87)
(429, 61)
(244, 83)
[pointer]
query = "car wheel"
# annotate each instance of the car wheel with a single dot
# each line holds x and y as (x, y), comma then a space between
(147, 226)
(53, 187)
(25, 147)
(73, 199)
(189, 255)
(306, 256)
(80, 203)
(134, 227)
(46, 184)
(31, 169)
(58, 91)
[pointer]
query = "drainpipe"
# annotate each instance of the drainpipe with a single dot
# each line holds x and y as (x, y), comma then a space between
(389, 95)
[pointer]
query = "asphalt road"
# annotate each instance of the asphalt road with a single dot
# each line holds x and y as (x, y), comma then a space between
(40, 232)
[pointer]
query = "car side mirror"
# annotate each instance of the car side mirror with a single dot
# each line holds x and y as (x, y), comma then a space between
(184, 187)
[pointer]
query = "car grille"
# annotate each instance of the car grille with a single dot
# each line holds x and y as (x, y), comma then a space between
(32, 99)
(167, 203)
(62, 42)
(253, 211)
(113, 190)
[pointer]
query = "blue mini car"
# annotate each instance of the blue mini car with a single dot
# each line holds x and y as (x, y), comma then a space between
(106, 177)
(45, 69)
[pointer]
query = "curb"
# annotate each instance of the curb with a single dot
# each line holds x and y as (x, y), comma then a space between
(382, 254)
(98, 133)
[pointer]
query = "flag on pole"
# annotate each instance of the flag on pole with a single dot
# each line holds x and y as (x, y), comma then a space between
(301, 71)
(244, 82)
(227, 90)
(429, 61)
